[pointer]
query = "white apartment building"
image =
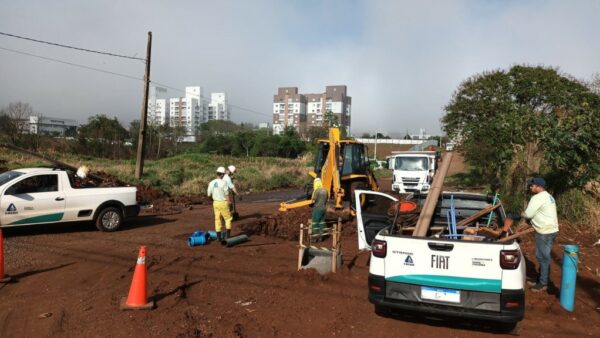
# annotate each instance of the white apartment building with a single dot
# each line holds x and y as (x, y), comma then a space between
(158, 112)
(51, 125)
(187, 112)
(217, 108)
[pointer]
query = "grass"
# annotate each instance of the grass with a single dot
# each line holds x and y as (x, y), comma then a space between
(186, 174)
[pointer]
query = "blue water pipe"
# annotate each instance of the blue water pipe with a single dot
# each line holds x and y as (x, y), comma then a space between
(569, 277)
(197, 240)
(212, 234)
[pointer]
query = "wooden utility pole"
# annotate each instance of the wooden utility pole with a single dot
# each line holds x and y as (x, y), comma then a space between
(139, 164)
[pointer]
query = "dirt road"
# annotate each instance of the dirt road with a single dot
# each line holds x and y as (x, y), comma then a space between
(70, 279)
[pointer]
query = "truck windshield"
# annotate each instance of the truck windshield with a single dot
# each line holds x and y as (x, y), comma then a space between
(8, 176)
(411, 163)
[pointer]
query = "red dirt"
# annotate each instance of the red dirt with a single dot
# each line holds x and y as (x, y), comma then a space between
(70, 279)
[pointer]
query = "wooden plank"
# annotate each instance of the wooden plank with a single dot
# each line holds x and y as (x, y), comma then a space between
(432, 197)
(518, 234)
(478, 215)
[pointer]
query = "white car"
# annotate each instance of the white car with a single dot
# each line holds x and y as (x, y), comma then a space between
(441, 273)
(45, 195)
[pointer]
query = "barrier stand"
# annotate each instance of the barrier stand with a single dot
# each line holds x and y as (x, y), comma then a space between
(323, 259)
(3, 278)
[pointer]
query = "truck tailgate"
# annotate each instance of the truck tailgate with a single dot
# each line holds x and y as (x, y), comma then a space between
(451, 272)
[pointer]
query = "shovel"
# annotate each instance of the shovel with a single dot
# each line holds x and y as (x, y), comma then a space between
(235, 214)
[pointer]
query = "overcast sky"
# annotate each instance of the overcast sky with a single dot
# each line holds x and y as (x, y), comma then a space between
(401, 60)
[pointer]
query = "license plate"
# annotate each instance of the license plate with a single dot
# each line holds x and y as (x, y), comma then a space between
(440, 294)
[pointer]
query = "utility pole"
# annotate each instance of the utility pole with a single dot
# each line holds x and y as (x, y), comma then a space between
(139, 164)
(375, 151)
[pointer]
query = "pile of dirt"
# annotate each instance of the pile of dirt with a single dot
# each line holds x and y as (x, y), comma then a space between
(284, 225)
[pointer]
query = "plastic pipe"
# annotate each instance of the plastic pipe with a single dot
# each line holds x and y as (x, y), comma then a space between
(212, 234)
(231, 241)
(569, 277)
(196, 240)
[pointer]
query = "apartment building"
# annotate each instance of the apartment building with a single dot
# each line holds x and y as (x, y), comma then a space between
(158, 112)
(187, 112)
(303, 111)
(217, 108)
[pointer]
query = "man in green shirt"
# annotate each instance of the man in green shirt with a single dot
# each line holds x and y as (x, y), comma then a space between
(541, 212)
(319, 199)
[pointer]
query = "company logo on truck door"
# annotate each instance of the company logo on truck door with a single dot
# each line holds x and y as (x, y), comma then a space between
(11, 210)
(409, 261)
(440, 262)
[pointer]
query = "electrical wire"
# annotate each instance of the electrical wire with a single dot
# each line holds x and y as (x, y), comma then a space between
(72, 47)
(126, 76)
(72, 64)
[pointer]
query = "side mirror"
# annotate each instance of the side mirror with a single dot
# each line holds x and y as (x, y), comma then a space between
(390, 164)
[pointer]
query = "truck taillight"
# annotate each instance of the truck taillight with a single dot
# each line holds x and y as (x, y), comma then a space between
(510, 259)
(379, 248)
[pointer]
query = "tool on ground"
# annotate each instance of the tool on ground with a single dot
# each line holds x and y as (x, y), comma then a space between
(323, 259)
(3, 278)
(343, 168)
(137, 298)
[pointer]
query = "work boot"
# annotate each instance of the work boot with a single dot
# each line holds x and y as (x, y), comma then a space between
(538, 287)
(228, 233)
(219, 236)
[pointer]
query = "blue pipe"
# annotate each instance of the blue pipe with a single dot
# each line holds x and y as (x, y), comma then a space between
(197, 240)
(212, 235)
(569, 277)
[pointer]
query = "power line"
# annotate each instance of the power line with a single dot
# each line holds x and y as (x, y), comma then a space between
(72, 47)
(126, 76)
(72, 64)
(208, 101)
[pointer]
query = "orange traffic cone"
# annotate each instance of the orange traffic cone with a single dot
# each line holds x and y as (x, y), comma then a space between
(137, 298)
(3, 278)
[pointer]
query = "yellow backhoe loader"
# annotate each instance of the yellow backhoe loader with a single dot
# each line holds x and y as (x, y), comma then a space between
(342, 166)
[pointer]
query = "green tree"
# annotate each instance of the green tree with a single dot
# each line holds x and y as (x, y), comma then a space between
(103, 137)
(331, 120)
(527, 121)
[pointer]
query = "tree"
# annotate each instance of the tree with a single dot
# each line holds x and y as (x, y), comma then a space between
(527, 121)
(15, 122)
(331, 120)
(103, 137)
(316, 133)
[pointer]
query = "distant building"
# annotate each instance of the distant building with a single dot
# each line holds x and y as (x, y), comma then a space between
(302, 111)
(51, 125)
(187, 112)
(421, 135)
(217, 108)
(264, 125)
(158, 112)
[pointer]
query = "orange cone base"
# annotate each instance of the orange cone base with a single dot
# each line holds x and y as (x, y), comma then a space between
(125, 307)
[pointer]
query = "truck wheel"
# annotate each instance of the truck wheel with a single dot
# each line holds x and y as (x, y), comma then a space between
(109, 219)
(382, 311)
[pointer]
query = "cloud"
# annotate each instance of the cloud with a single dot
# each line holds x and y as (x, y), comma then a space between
(401, 60)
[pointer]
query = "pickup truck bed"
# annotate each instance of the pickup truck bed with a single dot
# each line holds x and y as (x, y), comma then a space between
(441, 274)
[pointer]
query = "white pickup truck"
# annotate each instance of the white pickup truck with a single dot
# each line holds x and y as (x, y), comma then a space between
(413, 170)
(440, 274)
(46, 195)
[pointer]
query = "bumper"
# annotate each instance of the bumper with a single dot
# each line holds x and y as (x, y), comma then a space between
(402, 188)
(508, 306)
(131, 210)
